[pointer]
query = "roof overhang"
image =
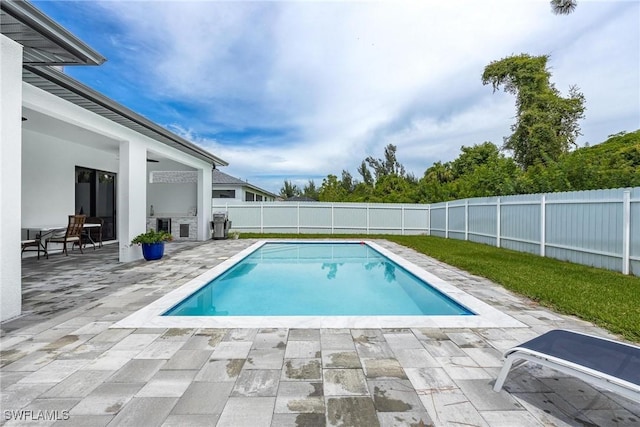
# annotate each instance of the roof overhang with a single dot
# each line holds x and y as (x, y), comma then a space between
(44, 41)
(61, 85)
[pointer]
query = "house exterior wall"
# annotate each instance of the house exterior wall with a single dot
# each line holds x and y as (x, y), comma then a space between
(49, 170)
(10, 171)
(170, 199)
(131, 148)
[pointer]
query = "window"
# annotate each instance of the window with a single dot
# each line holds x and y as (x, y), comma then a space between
(258, 198)
(224, 194)
(249, 197)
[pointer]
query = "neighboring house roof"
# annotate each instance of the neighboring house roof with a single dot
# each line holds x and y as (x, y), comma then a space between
(65, 87)
(221, 178)
(44, 41)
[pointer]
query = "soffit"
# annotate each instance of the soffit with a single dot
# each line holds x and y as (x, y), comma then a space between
(44, 41)
(69, 89)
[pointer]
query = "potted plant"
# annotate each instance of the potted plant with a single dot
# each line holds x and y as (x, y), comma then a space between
(152, 243)
(234, 235)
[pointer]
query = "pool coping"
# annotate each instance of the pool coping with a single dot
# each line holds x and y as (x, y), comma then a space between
(485, 316)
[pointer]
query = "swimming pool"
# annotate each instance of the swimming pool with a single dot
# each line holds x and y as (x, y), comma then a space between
(317, 279)
(485, 316)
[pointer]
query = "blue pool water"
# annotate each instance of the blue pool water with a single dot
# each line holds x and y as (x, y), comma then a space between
(316, 279)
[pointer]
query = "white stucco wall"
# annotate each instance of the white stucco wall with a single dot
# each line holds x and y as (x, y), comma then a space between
(48, 168)
(10, 171)
(171, 199)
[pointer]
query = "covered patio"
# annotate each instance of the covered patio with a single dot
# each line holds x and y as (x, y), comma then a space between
(65, 354)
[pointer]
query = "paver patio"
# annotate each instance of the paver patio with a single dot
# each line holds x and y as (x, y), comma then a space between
(63, 359)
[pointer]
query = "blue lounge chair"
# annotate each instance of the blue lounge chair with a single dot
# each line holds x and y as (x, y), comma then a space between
(605, 363)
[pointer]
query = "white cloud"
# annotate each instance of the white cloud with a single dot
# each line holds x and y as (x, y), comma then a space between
(312, 88)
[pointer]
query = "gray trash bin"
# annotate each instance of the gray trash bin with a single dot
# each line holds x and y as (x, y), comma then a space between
(220, 226)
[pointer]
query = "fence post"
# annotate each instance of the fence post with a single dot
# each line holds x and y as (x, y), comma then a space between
(298, 221)
(367, 218)
(626, 231)
(446, 220)
(402, 220)
(429, 220)
(543, 225)
(498, 223)
(466, 219)
(332, 218)
(262, 218)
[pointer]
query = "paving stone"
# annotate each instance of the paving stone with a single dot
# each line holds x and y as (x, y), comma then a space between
(135, 341)
(247, 412)
(467, 339)
(267, 358)
(304, 335)
(9, 378)
(300, 397)
(510, 419)
(450, 407)
(485, 357)
(240, 335)
(480, 393)
(178, 334)
(111, 360)
(160, 349)
(404, 419)
(463, 368)
(345, 382)
(203, 398)
(214, 337)
(383, 368)
(30, 362)
(79, 384)
(108, 398)
(18, 395)
(336, 341)
(84, 421)
(270, 339)
(340, 359)
(429, 380)
(299, 420)
(231, 350)
(54, 372)
(440, 348)
(184, 420)
(402, 341)
(145, 411)
(137, 371)
(374, 350)
(301, 369)
(167, 384)
(187, 359)
(302, 349)
(394, 396)
(220, 370)
(551, 409)
(415, 358)
(351, 412)
(257, 382)
(111, 335)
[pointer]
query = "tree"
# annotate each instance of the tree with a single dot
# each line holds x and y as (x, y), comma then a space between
(347, 181)
(365, 173)
(310, 190)
(289, 190)
(387, 166)
(563, 7)
(546, 123)
(332, 190)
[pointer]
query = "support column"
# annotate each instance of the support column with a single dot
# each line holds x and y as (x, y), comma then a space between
(10, 177)
(132, 198)
(205, 203)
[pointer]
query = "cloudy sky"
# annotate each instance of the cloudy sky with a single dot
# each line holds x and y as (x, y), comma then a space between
(298, 90)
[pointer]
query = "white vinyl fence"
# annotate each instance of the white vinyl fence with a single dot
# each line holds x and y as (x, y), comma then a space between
(600, 228)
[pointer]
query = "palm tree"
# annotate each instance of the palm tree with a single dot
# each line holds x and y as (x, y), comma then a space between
(563, 7)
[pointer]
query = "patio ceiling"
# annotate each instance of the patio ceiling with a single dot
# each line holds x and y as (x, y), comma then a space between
(65, 87)
(44, 41)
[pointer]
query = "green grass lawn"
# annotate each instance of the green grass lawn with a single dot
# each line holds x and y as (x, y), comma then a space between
(606, 298)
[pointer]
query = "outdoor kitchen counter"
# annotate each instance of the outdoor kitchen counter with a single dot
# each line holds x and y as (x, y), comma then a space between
(183, 227)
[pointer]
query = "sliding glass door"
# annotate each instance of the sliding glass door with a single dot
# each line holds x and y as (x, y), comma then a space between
(96, 197)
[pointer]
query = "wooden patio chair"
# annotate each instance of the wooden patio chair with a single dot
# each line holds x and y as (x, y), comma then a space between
(33, 245)
(72, 234)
